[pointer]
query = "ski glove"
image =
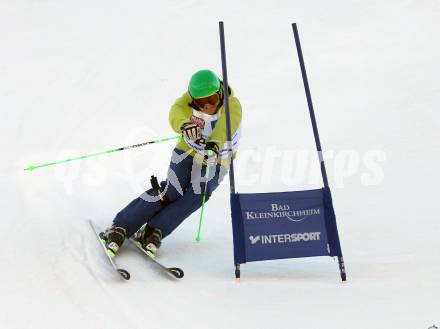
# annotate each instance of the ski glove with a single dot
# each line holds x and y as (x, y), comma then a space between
(191, 131)
(211, 154)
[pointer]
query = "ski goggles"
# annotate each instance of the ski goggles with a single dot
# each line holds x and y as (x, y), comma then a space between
(211, 100)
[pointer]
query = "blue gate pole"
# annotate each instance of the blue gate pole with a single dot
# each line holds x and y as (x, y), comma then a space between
(228, 119)
(226, 101)
(310, 104)
(315, 132)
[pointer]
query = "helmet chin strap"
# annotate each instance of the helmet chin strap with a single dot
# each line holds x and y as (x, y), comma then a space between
(220, 93)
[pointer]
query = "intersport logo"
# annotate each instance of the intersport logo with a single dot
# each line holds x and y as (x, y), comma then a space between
(285, 238)
(278, 211)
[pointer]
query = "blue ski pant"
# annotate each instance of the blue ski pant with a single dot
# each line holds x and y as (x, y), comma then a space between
(184, 188)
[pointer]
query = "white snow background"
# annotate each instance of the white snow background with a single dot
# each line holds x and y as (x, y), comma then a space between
(80, 76)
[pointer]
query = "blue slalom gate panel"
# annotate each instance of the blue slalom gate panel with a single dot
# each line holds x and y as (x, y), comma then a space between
(283, 225)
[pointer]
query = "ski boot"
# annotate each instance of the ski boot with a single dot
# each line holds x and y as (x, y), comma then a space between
(113, 238)
(150, 239)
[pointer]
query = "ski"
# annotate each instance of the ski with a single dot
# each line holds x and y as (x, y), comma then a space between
(173, 271)
(125, 274)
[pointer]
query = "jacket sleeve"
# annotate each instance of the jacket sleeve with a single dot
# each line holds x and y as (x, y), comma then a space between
(219, 133)
(180, 112)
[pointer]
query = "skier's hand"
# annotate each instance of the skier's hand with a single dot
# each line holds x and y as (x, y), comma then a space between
(211, 154)
(191, 131)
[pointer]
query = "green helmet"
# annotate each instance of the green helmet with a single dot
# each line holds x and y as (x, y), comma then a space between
(203, 83)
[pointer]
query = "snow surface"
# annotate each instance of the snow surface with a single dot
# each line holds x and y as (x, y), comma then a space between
(84, 76)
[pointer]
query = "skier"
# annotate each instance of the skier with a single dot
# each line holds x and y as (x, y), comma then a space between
(200, 116)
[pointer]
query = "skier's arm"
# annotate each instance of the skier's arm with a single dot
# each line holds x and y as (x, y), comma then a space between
(180, 113)
(218, 135)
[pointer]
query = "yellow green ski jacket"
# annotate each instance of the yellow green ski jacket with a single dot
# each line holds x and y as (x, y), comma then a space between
(213, 126)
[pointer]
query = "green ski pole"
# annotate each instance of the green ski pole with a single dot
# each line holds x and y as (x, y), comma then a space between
(203, 201)
(30, 168)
